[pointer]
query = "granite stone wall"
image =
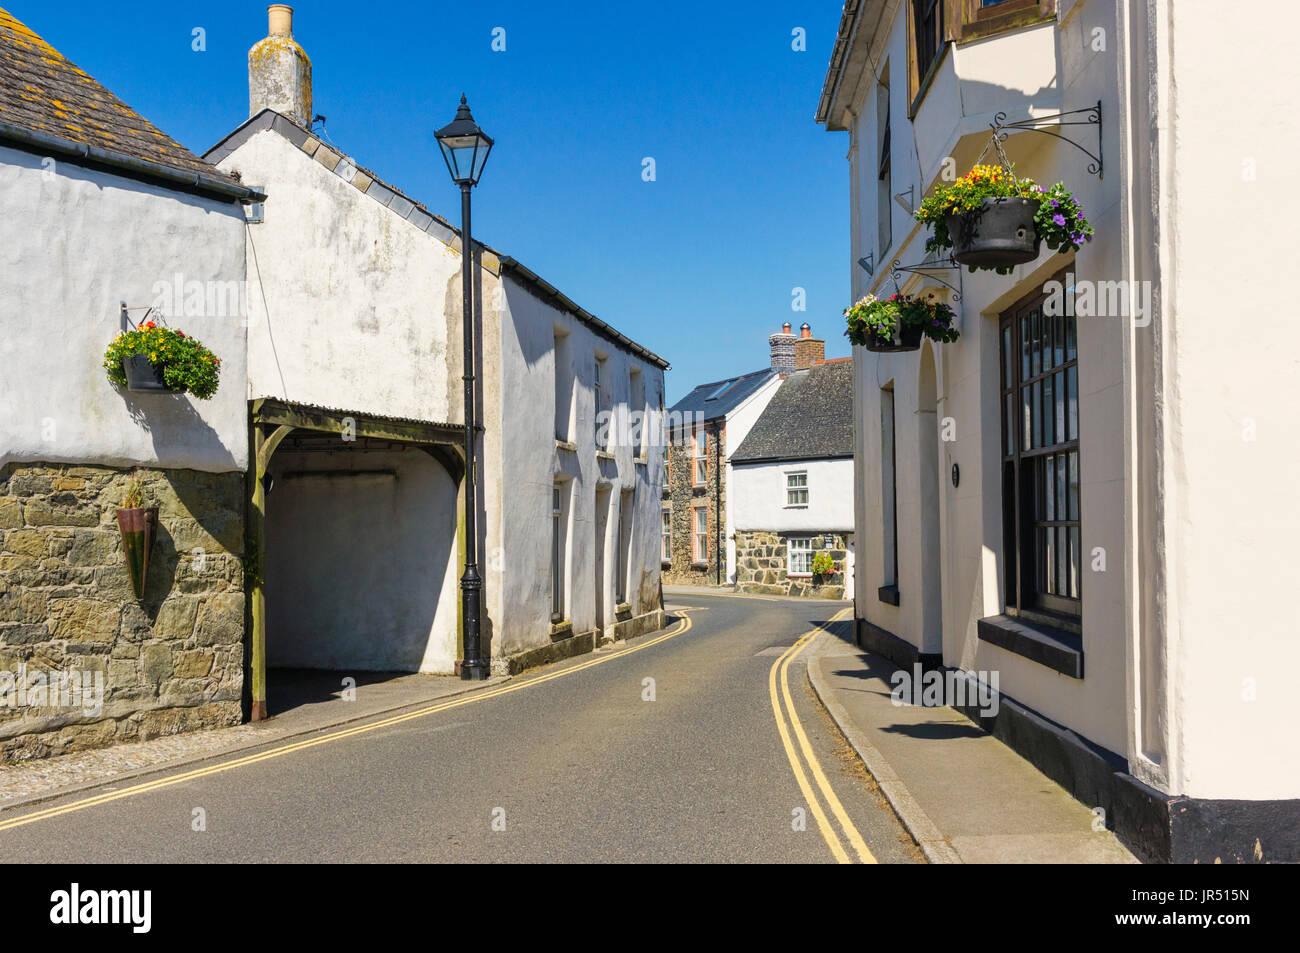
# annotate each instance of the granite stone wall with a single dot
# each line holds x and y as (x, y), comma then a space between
(683, 495)
(170, 662)
(761, 560)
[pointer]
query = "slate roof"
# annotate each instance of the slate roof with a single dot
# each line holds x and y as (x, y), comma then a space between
(44, 94)
(810, 417)
(701, 400)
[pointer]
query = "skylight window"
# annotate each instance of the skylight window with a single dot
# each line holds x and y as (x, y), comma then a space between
(722, 390)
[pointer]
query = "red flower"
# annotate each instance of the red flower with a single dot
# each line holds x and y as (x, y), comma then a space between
(150, 324)
(179, 334)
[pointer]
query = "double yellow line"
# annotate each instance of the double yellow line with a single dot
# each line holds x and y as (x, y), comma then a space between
(296, 746)
(788, 721)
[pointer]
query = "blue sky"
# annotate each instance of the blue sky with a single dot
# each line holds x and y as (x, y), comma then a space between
(750, 199)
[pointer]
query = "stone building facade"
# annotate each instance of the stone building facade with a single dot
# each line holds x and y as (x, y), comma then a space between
(173, 661)
(684, 498)
(762, 557)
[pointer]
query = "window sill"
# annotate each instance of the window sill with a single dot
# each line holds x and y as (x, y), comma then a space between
(699, 564)
(604, 455)
(1020, 17)
(888, 594)
(796, 506)
(1047, 645)
(565, 445)
(799, 575)
(623, 611)
(561, 630)
(665, 564)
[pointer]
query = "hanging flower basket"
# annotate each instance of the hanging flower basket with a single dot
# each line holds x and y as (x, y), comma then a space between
(899, 322)
(999, 234)
(990, 220)
(161, 360)
(142, 374)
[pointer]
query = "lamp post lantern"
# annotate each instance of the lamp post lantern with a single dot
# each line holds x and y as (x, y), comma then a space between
(465, 149)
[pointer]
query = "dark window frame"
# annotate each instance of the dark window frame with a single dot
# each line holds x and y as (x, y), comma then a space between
(1038, 515)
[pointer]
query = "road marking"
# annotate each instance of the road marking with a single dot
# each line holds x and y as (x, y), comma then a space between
(781, 666)
(291, 748)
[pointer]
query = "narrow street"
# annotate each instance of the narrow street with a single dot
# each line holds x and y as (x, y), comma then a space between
(569, 763)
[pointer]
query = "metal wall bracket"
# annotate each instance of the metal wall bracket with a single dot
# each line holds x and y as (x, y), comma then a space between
(1091, 116)
(923, 268)
(910, 207)
(868, 264)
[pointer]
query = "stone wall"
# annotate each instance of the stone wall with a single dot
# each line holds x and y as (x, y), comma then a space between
(684, 496)
(171, 662)
(761, 565)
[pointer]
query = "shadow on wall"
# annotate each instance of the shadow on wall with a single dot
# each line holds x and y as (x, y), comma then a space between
(171, 422)
(360, 567)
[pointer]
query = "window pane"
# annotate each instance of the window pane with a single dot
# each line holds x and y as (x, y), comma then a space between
(1062, 545)
(1044, 558)
(1060, 485)
(1071, 345)
(1007, 366)
(1050, 497)
(1024, 348)
(1058, 340)
(1009, 434)
(1074, 562)
(1036, 411)
(1035, 345)
(1061, 434)
(1026, 417)
(1073, 509)
(1072, 402)
(1049, 435)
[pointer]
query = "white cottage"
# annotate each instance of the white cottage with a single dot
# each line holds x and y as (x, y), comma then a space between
(355, 376)
(103, 219)
(791, 488)
(1089, 492)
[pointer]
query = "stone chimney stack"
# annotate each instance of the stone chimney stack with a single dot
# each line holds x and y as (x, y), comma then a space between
(279, 72)
(783, 344)
(808, 349)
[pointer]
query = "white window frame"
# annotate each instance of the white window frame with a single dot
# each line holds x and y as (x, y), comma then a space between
(699, 540)
(794, 490)
(804, 551)
(700, 450)
(558, 534)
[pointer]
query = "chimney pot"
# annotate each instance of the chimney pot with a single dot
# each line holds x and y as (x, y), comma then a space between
(279, 19)
(786, 327)
(805, 330)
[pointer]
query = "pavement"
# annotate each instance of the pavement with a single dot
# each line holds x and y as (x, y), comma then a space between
(963, 795)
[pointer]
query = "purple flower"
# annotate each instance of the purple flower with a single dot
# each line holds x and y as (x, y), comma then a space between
(1058, 218)
(1055, 203)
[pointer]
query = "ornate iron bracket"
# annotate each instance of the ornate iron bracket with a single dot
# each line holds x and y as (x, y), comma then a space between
(923, 267)
(1002, 129)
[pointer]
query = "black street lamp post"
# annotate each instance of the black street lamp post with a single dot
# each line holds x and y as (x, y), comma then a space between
(465, 148)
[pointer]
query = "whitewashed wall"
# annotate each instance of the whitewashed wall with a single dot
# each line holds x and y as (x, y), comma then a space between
(531, 463)
(364, 575)
(1010, 72)
(75, 243)
(1184, 661)
(359, 317)
(757, 491)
